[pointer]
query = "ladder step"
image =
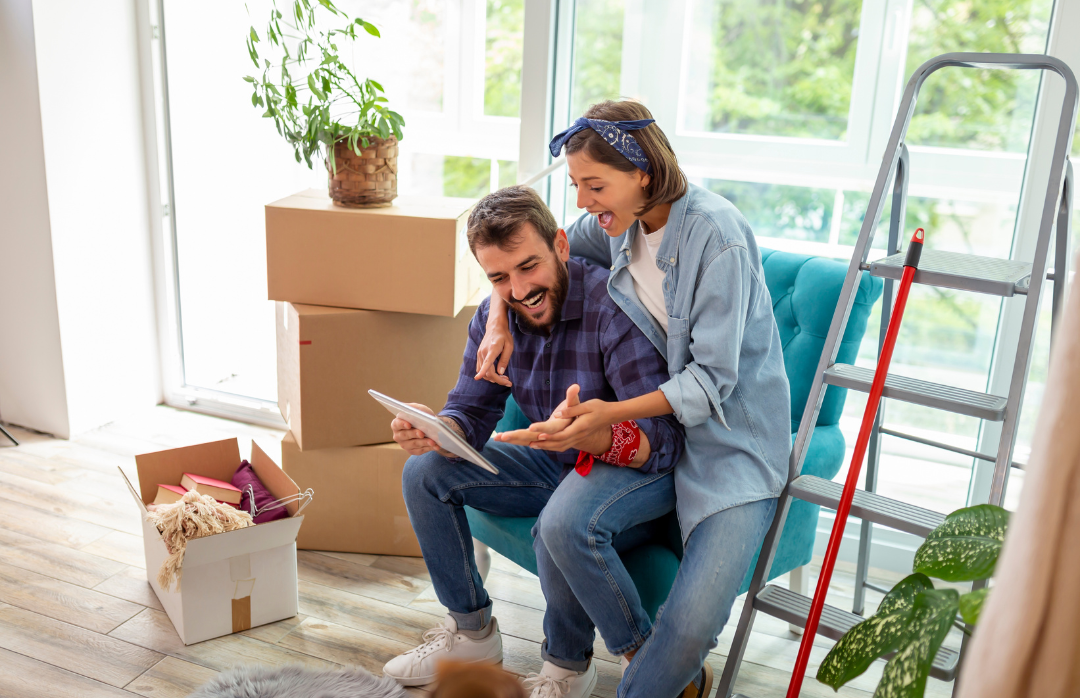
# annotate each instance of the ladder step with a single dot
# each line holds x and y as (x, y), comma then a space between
(867, 505)
(919, 392)
(794, 608)
(965, 272)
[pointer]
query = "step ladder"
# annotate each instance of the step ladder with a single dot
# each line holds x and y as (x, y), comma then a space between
(1000, 277)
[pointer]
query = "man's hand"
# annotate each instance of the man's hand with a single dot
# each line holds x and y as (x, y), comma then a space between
(527, 437)
(589, 430)
(548, 435)
(414, 441)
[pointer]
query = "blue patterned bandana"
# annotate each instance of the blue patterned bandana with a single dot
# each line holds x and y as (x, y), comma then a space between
(615, 133)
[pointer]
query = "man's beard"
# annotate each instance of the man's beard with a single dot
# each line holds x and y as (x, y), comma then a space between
(556, 296)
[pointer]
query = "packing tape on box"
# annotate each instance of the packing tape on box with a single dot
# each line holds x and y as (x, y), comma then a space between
(244, 583)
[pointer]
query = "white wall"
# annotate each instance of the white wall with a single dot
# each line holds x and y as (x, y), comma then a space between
(84, 203)
(32, 391)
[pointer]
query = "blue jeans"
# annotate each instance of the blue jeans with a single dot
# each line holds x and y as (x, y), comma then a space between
(587, 521)
(577, 540)
(714, 564)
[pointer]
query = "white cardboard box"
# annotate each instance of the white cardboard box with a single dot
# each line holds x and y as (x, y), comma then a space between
(231, 581)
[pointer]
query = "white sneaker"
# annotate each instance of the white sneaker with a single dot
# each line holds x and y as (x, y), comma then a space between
(417, 666)
(556, 682)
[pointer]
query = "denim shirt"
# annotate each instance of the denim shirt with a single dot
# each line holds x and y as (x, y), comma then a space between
(727, 382)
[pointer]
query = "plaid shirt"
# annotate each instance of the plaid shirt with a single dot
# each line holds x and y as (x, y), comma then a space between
(594, 345)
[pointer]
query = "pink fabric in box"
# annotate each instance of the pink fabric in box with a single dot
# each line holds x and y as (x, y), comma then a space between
(244, 476)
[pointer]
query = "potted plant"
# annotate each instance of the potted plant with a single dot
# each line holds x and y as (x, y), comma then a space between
(319, 105)
(914, 617)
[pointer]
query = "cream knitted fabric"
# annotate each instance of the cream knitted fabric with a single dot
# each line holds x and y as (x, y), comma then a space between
(194, 516)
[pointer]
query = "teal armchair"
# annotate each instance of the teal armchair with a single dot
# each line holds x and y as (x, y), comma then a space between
(805, 291)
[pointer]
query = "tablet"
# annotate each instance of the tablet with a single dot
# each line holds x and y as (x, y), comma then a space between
(436, 430)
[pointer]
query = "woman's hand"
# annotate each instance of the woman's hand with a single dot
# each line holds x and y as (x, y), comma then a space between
(497, 344)
(589, 429)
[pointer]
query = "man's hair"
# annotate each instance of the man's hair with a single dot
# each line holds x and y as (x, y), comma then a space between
(667, 182)
(498, 217)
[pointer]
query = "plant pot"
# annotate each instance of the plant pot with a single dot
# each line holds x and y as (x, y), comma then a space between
(367, 179)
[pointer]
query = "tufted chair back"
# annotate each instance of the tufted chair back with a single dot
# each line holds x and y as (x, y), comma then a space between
(804, 292)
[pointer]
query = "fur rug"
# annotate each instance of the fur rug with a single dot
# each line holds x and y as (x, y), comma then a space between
(296, 681)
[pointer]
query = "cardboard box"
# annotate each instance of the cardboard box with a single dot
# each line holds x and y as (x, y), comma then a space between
(361, 508)
(328, 358)
(412, 257)
(231, 581)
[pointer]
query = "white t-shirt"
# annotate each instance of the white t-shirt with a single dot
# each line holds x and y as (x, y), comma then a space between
(648, 279)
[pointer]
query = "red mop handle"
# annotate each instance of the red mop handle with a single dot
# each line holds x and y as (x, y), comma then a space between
(911, 263)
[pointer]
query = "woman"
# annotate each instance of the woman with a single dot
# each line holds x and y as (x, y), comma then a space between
(686, 268)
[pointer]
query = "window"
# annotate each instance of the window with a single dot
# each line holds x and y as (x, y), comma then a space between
(782, 106)
(785, 108)
(451, 67)
(781, 68)
(979, 110)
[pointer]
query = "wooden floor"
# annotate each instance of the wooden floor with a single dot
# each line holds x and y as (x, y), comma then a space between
(77, 617)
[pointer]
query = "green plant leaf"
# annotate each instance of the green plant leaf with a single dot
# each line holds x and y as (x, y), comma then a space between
(966, 546)
(905, 674)
(248, 78)
(877, 635)
(314, 87)
(339, 105)
(971, 605)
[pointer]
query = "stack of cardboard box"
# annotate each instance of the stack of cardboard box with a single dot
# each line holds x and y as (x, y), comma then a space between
(379, 299)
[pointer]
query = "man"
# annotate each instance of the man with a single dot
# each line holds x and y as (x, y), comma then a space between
(571, 341)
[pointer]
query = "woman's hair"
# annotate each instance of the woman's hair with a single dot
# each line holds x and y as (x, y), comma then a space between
(667, 182)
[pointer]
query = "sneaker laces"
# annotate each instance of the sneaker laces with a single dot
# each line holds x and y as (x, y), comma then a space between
(434, 639)
(544, 686)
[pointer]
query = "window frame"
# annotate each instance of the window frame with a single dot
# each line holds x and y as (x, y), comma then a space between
(460, 129)
(176, 392)
(852, 165)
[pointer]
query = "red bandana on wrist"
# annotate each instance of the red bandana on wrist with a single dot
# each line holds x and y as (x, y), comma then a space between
(625, 441)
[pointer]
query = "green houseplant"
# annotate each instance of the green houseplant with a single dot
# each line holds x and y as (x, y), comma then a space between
(318, 103)
(914, 617)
